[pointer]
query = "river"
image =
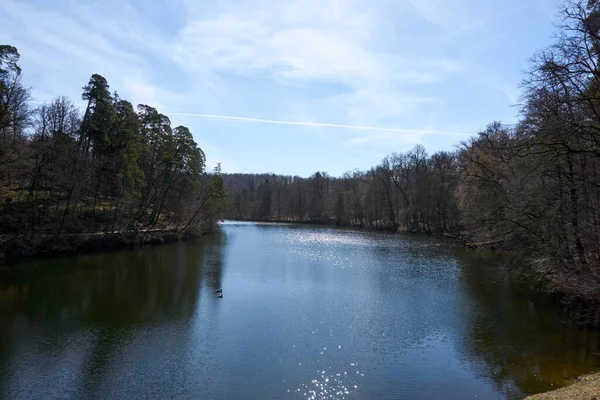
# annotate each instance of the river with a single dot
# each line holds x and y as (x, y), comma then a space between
(307, 313)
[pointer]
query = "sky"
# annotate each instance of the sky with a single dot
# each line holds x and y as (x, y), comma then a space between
(291, 86)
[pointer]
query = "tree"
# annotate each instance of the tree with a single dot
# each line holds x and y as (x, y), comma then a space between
(14, 119)
(112, 169)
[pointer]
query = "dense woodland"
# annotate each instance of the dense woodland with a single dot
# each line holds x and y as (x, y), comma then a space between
(107, 168)
(532, 188)
(411, 191)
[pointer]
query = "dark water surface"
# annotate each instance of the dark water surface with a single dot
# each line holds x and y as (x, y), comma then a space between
(307, 313)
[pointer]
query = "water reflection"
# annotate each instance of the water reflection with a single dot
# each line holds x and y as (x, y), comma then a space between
(113, 289)
(308, 313)
(66, 323)
(516, 338)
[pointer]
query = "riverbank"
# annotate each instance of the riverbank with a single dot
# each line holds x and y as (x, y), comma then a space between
(586, 388)
(21, 246)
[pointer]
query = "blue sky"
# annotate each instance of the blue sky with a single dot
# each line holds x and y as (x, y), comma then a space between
(428, 71)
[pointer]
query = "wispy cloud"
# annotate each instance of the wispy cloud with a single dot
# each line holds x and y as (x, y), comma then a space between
(307, 43)
(448, 13)
(286, 48)
(436, 66)
(323, 125)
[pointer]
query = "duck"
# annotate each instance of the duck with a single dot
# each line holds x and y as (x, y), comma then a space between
(220, 296)
(219, 290)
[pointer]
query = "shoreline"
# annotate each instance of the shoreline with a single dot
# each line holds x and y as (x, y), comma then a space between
(15, 248)
(571, 292)
(346, 226)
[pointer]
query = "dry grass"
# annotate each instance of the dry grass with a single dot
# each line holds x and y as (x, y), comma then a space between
(587, 388)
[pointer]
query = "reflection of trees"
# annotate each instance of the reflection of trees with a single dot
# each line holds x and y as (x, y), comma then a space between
(88, 305)
(115, 289)
(112, 289)
(213, 247)
(516, 340)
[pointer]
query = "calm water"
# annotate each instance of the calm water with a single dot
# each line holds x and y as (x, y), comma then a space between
(307, 313)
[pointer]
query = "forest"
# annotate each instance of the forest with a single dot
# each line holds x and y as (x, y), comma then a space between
(108, 168)
(531, 188)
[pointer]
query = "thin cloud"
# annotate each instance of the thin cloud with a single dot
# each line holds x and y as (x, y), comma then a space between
(324, 125)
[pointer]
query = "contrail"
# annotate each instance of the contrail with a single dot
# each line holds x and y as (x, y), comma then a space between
(319, 124)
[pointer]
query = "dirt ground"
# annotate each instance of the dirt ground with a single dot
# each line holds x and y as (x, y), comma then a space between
(587, 388)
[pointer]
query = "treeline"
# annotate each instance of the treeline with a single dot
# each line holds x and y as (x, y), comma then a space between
(108, 168)
(406, 191)
(535, 185)
(532, 187)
